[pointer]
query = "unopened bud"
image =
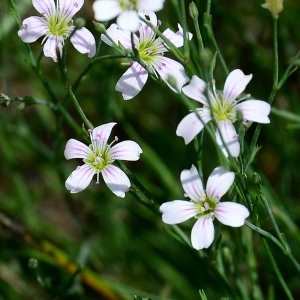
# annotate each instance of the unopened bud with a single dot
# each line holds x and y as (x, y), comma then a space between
(256, 178)
(206, 57)
(79, 23)
(274, 6)
(33, 263)
(193, 11)
(99, 27)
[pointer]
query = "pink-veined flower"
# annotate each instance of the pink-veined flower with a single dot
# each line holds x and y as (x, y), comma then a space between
(56, 25)
(151, 52)
(126, 10)
(98, 158)
(205, 205)
(223, 106)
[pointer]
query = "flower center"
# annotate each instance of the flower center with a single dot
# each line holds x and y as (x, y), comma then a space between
(205, 207)
(128, 4)
(60, 25)
(223, 110)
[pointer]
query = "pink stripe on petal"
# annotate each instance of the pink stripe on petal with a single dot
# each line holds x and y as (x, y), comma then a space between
(69, 8)
(177, 211)
(126, 150)
(116, 180)
(192, 184)
(80, 178)
(132, 81)
(84, 42)
(235, 84)
(44, 7)
(32, 29)
(231, 213)
(203, 233)
(76, 149)
(219, 182)
(103, 132)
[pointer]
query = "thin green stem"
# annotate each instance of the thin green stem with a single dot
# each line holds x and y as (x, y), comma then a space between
(79, 109)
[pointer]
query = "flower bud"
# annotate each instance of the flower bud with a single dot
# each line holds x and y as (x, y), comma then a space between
(256, 178)
(79, 23)
(193, 11)
(33, 263)
(274, 6)
(99, 27)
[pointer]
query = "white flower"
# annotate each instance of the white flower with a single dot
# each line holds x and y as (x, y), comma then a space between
(224, 107)
(98, 158)
(151, 52)
(205, 205)
(126, 10)
(56, 24)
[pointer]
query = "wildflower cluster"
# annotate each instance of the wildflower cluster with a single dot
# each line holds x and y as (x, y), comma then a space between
(146, 52)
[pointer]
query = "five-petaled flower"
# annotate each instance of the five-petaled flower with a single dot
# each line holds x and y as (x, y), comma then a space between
(205, 205)
(223, 107)
(151, 53)
(98, 158)
(56, 25)
(126, 10)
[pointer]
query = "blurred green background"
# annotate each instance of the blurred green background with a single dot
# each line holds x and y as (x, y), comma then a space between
(93, 245)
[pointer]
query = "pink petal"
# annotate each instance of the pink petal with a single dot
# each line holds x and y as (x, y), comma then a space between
(76, 149)
(106, 10)
(219, 182)
(44, 7)
(191, 125)
(116, 180)
(53, 46)
(132, 81)
(195, 90)
(127, 150)
(230, 138)
(255, 110)
(69, 8)
(177, 211)
(235, 84)
(231, 213)
(167, 68)
(192, 184)
(177, 38)
(119, 36)
(203, 233)
(129, 20)
(32, 29)
(102, 132)
(84, 42)
(80, 178)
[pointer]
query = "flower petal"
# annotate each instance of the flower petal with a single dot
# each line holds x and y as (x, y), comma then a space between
(167, 68)
(68, 8)
(177, 211)
(203, 233)
(192, 184)
(106, 10)
(150, 16)
(191, 125)
(76, 149)
(126, 150)
(84, 42)
(116, 180)
(44, 7)
(53, 46)
(195, 90)
(80, 178)
(132, 81)
(177, 37)
(219, 182)
(32, 28)
(235, 84)
(119, 36)
(231, 213)
(129, 20)
(255, 110)
(151, 5)
(230, 138)
(102, 132)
